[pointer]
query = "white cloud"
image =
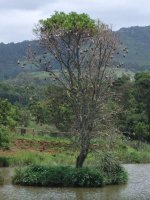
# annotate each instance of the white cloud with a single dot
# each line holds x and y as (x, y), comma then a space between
(23, 5)
(17, 25)
(17, 18)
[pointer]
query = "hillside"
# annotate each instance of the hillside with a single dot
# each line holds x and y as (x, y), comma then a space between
(135, 38)
(9, 55)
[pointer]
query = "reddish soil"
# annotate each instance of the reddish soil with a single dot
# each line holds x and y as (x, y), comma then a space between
(38, 145)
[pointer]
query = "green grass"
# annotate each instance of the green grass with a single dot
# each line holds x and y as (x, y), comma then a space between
(24, 158)
(46, 138)
(131, 155)
(26, 150)
(125, 150)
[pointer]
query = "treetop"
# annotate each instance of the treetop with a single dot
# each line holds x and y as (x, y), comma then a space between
(69, 22)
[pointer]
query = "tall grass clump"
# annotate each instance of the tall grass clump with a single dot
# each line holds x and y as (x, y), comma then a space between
(111, 169)
(25, 158)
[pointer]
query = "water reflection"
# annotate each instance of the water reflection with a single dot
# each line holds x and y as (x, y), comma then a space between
(138, 188)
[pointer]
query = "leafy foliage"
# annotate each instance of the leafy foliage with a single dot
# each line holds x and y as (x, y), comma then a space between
(23, 116)
(60, 109)
(7, 113)
(58, 176)
(135, 118)
(84, 177)
(40, 111)
(4, 138)
(65, 176)
(70, 22)
(111, 168)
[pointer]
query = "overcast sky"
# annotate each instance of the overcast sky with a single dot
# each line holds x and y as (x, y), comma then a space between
(18, 17)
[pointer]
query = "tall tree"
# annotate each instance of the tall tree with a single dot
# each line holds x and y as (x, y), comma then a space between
(83, 51)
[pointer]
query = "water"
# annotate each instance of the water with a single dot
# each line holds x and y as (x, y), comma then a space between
(137, 188)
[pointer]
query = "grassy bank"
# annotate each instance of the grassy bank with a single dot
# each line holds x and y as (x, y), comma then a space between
(54, 151)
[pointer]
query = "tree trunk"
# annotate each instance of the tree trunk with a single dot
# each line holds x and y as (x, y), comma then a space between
(81, 158)
(85, 143)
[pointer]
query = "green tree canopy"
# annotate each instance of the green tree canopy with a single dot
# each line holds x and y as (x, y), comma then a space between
(7, 113)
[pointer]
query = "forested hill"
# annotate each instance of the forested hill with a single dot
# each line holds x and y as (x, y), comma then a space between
(137, 39)
(9, 55)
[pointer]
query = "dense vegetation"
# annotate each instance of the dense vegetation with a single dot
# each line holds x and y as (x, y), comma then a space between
(53, 106)
(135, 119)
(133, 122)
(67, 176)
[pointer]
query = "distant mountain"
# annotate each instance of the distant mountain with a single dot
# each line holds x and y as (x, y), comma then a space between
(137, 39)
(9, 56)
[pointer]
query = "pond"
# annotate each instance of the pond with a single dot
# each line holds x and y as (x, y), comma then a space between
(137, 188)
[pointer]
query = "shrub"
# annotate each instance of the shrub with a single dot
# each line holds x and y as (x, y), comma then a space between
(4, 162)
(58, 176)
(7, 113)
(134, 157)
(84, 177)
(111, 169)
(4, 138)
(121, 176)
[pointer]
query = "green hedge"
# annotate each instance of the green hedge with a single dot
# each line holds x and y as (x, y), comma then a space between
(58, 177)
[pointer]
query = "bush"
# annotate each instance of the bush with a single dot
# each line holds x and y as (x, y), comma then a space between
(58, 177)
(111, 169)
(134, 157)
(121, 176)
(4, 162)
(4, 138)
(84, 177)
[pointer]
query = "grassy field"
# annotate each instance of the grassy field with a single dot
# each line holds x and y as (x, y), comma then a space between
(47, 150)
